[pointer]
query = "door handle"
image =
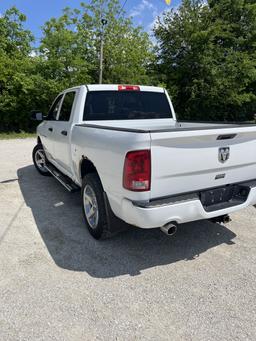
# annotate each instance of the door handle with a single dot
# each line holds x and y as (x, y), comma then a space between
(50, 129)
(64, 132)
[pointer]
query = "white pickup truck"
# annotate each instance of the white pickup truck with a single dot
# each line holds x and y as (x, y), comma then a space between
(132, 159)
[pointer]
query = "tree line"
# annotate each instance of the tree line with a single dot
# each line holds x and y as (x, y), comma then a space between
(204, 53)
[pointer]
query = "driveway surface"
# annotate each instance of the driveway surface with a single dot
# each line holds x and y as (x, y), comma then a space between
(57, 283)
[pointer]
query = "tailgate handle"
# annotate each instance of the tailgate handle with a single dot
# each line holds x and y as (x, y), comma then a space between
(226, 137)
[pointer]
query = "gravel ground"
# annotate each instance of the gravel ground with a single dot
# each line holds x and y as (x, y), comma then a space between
(57, 283)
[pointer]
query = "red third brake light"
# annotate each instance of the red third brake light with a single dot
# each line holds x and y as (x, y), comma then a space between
(137, 171)
(128, 88)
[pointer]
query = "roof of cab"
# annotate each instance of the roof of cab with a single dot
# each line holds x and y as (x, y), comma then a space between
(114, 87)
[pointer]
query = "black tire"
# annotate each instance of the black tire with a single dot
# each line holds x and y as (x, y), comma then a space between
(37, 148)
(100, 231)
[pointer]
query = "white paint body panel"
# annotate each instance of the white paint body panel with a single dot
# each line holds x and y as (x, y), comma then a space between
(183, 159)
(188, 161)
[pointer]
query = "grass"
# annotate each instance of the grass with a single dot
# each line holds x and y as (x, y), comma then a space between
(13, 135)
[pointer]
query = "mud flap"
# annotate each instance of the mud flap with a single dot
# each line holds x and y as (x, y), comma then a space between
(115, 225)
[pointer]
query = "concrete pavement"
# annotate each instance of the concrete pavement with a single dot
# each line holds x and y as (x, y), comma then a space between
(57, 283)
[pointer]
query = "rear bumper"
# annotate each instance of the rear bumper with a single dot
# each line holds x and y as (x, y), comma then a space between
(188, 208)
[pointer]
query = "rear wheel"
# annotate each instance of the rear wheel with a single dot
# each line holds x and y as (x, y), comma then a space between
(94, 209)
(39, 159)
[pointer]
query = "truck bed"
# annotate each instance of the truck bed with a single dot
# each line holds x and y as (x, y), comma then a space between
(185, 156)
(158, 126)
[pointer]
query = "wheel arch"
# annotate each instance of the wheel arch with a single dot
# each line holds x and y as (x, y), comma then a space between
(87, 167)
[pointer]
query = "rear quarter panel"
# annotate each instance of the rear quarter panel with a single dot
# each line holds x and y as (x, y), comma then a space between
(106, 149)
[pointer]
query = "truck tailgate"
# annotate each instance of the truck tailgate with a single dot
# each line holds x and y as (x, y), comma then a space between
(187, 161)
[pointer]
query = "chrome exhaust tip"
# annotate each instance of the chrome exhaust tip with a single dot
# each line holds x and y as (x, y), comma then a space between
(169, 229)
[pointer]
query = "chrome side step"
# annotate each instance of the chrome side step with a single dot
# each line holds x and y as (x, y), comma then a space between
(63, 179)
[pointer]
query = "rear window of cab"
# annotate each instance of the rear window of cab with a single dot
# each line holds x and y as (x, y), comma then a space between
(126, 105)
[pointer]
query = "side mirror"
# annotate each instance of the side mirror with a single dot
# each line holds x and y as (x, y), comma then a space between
(36, 116)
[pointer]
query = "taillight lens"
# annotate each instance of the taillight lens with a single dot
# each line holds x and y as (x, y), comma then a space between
(137, 171)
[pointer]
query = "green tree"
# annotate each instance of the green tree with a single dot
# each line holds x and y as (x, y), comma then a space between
(127, 49)
(61, 58)
(14, 39)
(15, 68)
(68, 55)
(70, 46)
(206, 56)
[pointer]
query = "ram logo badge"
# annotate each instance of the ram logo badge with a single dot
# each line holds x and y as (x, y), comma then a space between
(224, 154)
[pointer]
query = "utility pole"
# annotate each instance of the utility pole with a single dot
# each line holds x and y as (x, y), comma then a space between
(104, 23)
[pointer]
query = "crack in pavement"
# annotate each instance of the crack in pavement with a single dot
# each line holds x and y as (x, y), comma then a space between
(8, 181)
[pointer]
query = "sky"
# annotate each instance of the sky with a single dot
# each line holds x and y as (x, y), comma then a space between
(144, 12)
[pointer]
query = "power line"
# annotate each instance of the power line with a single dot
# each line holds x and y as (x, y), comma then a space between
(125, 1)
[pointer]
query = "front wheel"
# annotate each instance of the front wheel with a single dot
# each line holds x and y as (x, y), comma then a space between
(39, 160)
(94, 209)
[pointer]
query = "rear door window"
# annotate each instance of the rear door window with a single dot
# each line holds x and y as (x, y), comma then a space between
(67, 105)
(126, 105)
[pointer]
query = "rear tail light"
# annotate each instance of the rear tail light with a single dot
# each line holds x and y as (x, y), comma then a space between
(128, 88)
(137, 171)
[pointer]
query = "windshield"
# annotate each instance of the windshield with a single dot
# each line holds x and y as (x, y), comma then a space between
(126, 105)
